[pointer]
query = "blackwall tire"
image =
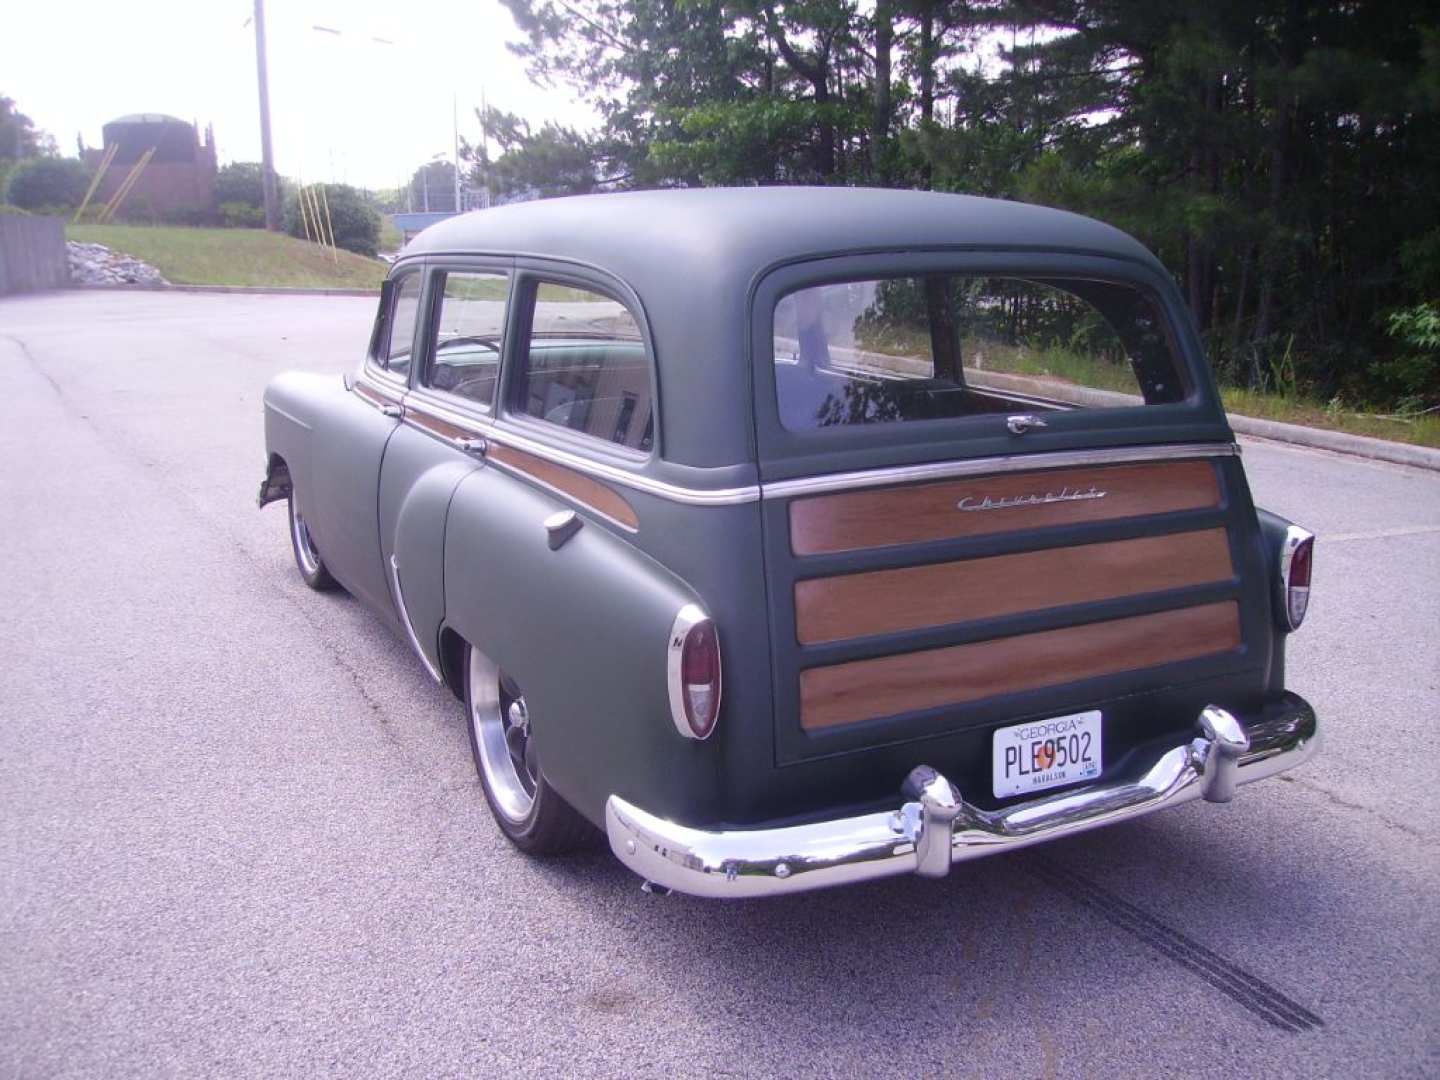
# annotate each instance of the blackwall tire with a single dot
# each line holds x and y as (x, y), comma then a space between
(528, 810)
(307, 556)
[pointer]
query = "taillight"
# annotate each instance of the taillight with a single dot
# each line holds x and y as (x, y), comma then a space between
(693, 666)
(1296, 557)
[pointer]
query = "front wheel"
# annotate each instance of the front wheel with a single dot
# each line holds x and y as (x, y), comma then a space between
(528, 810)
(307, 558)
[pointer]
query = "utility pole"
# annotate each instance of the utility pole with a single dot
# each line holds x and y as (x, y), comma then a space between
(455, 130)
(267, 160)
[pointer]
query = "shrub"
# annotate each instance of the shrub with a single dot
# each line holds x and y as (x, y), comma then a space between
(47, 182)
(241, 215)
(189, 216)
(355, 223)
(240, 182)
(6, 208)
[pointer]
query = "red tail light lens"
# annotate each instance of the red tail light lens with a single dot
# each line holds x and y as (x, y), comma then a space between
(1296, 558)
(694, 672)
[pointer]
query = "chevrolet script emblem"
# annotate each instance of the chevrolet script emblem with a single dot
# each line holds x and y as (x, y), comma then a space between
(1011, 502)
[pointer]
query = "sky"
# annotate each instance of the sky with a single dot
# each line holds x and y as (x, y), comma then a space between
(343, 107)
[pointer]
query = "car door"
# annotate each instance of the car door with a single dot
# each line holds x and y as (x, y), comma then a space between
(350, 443)
(447, 412)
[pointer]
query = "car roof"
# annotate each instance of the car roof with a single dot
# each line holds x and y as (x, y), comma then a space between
(744, 230)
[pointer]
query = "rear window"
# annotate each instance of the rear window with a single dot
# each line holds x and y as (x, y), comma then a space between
(943, 346)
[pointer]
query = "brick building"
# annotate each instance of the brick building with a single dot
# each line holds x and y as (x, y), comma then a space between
(178, 182)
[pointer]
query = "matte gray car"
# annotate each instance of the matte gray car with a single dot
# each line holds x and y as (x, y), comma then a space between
(794, 537)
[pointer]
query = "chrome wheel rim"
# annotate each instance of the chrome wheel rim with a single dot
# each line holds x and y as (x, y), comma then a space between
(304, 546)
(501, 724)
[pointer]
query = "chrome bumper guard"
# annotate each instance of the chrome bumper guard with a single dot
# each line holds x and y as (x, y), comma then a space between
(935, 827)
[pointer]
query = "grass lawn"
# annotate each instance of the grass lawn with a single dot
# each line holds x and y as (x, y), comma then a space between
(234, 257)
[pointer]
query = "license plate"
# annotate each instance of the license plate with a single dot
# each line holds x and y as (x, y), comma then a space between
(1044, 754)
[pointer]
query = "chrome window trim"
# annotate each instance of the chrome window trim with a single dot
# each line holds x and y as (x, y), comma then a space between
(381, 379)
(686, 619)
(989, 466)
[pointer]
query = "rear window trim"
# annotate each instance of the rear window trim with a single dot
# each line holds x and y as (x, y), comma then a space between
(783, 451)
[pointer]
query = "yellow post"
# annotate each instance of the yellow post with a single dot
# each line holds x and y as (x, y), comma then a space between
(95, 183)
(329, 226)
(314, 204)
(304, 217)
(124, 189)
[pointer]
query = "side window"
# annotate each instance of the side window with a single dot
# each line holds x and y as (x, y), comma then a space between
(468, 323)
(584, 367)
(398, 336)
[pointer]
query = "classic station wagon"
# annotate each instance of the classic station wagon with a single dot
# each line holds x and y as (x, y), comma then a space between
(798, 537)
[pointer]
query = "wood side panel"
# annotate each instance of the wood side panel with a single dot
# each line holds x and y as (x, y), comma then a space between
(435, 425)
(374, 396)
(855, 520)
(575, 484)
(888, 601)
(888, 685)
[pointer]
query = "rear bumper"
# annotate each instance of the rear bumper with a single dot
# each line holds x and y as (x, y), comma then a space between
(935, 827)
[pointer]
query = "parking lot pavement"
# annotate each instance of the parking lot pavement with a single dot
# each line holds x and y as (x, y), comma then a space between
(241, 833)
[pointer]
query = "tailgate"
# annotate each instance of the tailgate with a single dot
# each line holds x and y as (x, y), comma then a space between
(1046, 585)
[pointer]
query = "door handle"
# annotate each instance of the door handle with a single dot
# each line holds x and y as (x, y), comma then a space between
(395, 412)
(1019, 425)
(475, 446)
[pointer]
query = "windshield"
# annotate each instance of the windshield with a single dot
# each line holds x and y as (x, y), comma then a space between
(943, 346)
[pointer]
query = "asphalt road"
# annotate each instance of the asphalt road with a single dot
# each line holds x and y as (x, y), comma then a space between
(240, 832)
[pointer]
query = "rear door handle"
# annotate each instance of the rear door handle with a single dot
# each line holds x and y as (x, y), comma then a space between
(475, 446)
(395, 412)
(1019, 425)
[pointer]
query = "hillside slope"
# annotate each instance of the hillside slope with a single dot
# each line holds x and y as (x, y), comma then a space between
(235, 257)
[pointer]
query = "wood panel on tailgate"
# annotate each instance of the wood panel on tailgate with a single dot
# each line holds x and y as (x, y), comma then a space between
(891, 600)
(950, 509)
(888, 685)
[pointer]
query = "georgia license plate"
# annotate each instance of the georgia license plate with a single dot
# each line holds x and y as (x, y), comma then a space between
(1044, 754)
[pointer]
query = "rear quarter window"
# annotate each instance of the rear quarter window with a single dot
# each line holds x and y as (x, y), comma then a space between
(583, 367)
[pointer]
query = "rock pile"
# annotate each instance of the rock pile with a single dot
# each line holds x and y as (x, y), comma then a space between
(96, 264)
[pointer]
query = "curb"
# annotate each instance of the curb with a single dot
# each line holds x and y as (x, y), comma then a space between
(1339, 442)
(249, 290)
(1397, 453)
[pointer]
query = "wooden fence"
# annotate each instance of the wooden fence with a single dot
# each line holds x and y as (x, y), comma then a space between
(32, 253)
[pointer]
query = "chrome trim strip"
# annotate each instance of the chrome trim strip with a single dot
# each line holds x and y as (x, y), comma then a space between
(1010, 463)
(843, 851)
(405, 621)
(686, 619)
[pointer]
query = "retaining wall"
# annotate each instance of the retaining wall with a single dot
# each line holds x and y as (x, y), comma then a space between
(32, 253)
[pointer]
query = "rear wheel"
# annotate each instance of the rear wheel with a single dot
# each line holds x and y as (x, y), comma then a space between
(527, 809)
(307, 557)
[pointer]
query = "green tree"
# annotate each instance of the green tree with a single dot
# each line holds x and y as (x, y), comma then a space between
(19, 138)
(1278, 155)
(47, 183)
